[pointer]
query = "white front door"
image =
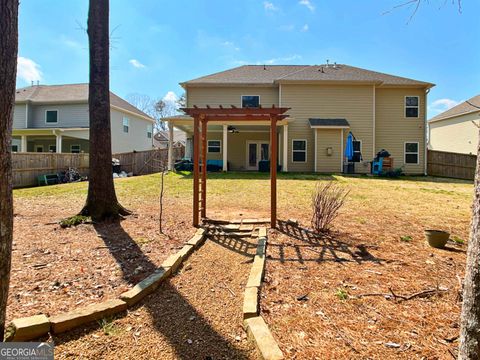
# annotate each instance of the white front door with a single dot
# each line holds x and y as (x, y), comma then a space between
(256, 151)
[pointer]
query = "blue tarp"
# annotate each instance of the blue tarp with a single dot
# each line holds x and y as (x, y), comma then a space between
(349, 147)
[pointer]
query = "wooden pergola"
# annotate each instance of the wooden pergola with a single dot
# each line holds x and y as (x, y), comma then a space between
(201, 117)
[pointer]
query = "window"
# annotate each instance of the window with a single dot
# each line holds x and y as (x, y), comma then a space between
(52, 148)
(14, 148)
(357, 150)
(411, 106)
(214, 146)
(411, 153)
(250, 101)
(75, 149)
(149, 131)
(126, 124)
(299, 150)
(51, 116)
(39, 148)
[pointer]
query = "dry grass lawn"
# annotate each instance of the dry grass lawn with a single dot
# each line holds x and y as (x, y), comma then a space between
(377, 244)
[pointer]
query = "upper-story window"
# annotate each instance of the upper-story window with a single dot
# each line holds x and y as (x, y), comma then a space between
(126, 124)
(250, 101)
(149, 131)
(51, 116)
(411, 106)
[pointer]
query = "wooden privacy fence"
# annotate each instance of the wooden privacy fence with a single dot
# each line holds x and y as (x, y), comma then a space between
(452, 165)
(28, 166)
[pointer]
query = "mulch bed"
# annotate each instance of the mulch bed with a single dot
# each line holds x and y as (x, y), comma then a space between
(55, 270)
(321, 295)
(197, 314)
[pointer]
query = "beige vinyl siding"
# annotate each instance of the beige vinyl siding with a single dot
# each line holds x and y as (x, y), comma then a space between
(135, 139)
(458, 134)
(329, 138)
(237, 147)
(227, 96)
(354, 103)
(393, 129)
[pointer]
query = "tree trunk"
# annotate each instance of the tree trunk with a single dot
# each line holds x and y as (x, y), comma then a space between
(470, 318)
(101, 200)
(8, 74)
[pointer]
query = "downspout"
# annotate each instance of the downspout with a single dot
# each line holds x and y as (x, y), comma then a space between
(26, 115)
(425, 133)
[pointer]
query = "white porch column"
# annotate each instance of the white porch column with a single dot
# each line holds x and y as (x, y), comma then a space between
(189, 148)
(59, 144)
(170, 146)
(23, 145)
(285, 147)
(225, 147)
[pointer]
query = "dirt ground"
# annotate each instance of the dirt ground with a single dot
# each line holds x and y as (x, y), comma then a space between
(195, 315)
(317, 298)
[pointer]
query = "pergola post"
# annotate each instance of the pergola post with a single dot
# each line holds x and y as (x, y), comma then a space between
(273, 172)
(225, 147)
(196, 165)
(203, 208)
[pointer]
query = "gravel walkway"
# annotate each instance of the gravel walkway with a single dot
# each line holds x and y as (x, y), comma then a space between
(195, 315)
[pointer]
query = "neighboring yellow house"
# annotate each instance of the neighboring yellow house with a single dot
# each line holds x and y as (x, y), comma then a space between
(327, 102)
(456, 130)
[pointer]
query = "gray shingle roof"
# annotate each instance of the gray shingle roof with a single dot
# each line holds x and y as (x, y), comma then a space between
(328, 122)
(68, 93)
(471, 105)
(271, 74)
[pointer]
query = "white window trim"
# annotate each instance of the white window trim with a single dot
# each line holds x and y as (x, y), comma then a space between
(405, 107)
(149, 131)
(123, 125)
(38, 147)
(306, 151)
(241, 100)
(405, 152)
(50, 148)
(212, 152)
(79, 148)
(56, 122)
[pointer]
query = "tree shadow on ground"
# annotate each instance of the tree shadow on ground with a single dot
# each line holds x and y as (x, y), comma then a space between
(312, 247)
(174, 317)
(255, 175)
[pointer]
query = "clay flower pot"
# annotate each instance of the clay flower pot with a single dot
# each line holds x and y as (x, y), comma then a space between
(437, 238)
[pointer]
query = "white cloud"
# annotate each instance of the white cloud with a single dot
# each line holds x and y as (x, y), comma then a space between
(305, 28)
(308, 4)
(137, 64)
(280, 60)
(230, 45)
(269, 6)
(28, 70)
(441, 105)
(170, 96)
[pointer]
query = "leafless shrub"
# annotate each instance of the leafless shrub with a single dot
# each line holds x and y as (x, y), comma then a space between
(327, 199)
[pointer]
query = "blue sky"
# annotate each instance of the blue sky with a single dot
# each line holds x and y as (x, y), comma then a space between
(157, 43)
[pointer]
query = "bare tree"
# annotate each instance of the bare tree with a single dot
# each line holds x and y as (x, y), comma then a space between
(8, 73)
(416, 4)
(142, 102)
(101, 199)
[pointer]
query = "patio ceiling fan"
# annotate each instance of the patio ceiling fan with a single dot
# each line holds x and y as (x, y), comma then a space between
(232, 129)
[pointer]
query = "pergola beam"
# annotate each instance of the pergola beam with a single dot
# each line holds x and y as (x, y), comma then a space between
(234, 111)
(243, 117)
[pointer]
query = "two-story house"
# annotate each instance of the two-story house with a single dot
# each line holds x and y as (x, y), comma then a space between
(55, 118)
(326, 103)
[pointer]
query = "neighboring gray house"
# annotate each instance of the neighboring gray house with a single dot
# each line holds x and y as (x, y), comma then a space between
(54, 118)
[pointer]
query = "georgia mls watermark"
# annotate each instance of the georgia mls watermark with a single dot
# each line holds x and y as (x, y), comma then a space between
(26, 351)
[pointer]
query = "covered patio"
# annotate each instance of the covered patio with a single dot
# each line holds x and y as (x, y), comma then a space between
(233, 144)
(51, 140)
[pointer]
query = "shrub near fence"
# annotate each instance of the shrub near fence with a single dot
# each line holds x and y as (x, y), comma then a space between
(452, 165)
(28, 166)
